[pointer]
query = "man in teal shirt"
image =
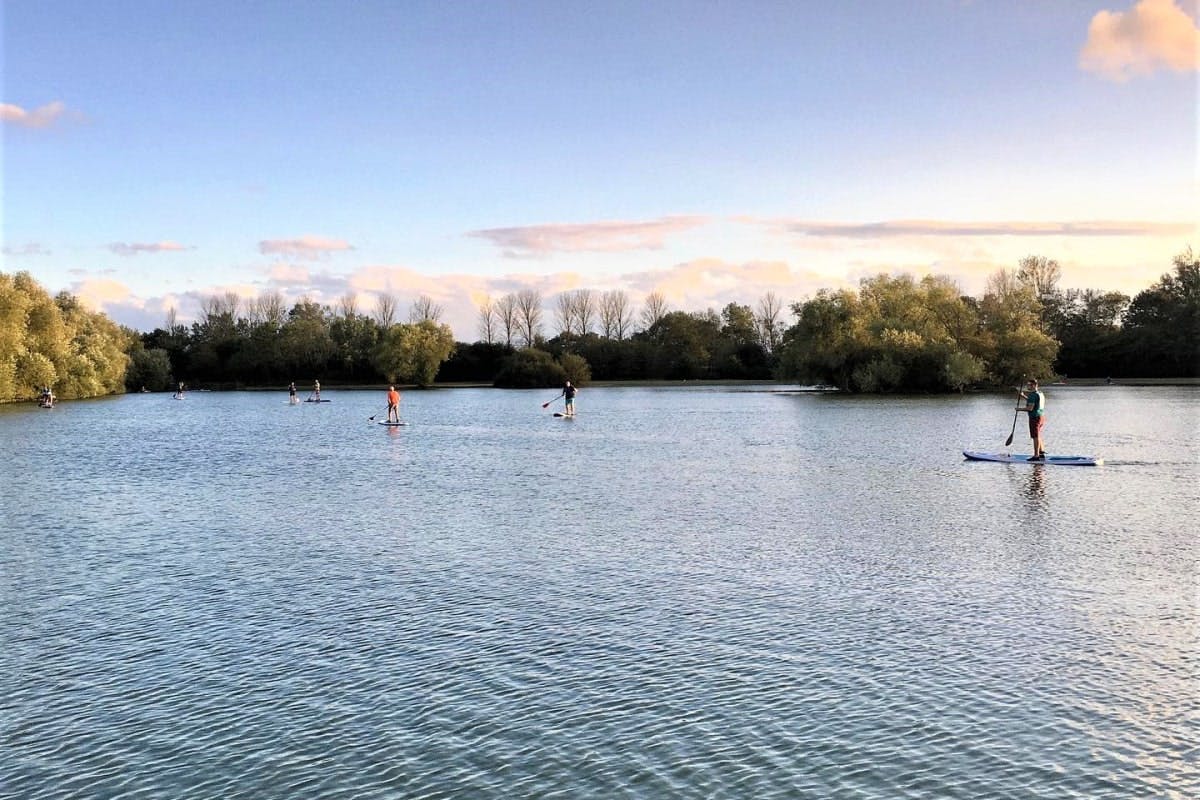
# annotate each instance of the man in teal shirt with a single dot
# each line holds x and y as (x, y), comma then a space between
(1035, 406)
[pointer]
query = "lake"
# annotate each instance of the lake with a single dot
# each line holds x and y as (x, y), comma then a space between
(710, 592)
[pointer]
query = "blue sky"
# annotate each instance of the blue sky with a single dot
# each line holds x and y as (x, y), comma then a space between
(157, 152)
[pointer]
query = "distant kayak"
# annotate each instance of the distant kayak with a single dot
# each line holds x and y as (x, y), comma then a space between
(1009, 458)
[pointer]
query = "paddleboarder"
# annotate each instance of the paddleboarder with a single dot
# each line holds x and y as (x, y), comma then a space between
(317, 390)
(1035, 406)
(393, 398)
(569, 393)
(292, 392)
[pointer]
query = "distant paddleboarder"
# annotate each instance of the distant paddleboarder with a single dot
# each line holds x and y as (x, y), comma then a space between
(317, 391)
(292, 393)
(393, 400)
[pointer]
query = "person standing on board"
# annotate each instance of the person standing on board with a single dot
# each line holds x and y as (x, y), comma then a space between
(292, 392)
(179, 392)
(1035, 406)
(393, 398)
(317, 391)
(569, 393)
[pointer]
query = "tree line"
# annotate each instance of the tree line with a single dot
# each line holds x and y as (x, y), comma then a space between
(891, 334)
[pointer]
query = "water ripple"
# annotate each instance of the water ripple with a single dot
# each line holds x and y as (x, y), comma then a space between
(743, 598)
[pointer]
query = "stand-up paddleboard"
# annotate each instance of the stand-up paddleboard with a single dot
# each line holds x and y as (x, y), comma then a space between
(318, 401)
(564, 416)
(1009, 458)
(392, 424)
(295, 401)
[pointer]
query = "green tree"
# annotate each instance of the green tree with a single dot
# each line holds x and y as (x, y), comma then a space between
(1013, 344)
(895, 334)
(575, 368)
(1161, 336)
(1089, 333)
(150, 370)
(530, 368)
(413, 353)
(681, 344)
(304, 340)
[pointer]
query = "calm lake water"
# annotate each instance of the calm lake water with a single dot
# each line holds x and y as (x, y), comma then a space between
(683, 592)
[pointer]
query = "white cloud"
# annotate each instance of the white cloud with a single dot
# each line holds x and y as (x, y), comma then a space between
(536, 241)
(898, 228)
(28, 249)
(1152, 35)
(136, 248)
(310, 247)
(40, 117)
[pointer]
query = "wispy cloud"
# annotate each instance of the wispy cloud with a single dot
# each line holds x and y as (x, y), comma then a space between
(898, 228)
(40, 117)
(536, 241)
(137, 248)
(310, 247)
(29, 249)
(1152, 35)
(714, 282)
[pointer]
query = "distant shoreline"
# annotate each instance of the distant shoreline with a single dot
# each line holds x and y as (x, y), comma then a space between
(650, 384)
(326, 387)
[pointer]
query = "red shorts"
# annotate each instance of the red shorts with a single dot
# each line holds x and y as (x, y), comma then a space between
(1035, 425)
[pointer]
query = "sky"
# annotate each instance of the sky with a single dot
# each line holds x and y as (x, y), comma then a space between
(155, 153)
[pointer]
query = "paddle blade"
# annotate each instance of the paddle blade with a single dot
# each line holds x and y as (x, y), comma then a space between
(1008, 441)
(545, 404)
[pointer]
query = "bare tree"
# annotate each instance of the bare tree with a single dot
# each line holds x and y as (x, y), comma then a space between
(529, 315)
(172, 320)
(769, 308)
(424, 309)
(271, 308)
(211, 307)
(348, 305)
(230, 303)
(489, 320)
(506, 312)
(616, 315)
(654, 309)
(564, 312)
(254, 311)
(1041, 273)
(585, 310)
(385, 309)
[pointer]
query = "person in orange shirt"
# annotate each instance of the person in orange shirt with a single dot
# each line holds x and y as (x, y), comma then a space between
(393, 404)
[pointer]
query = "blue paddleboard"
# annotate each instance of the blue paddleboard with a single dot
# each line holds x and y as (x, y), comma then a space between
(1009, 458)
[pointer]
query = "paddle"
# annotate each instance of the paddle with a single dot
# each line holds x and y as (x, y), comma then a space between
(376, 414)
(1016, 414)
(544, 405)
